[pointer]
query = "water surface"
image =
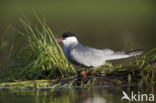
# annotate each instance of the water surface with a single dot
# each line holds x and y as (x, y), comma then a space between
(83, 95)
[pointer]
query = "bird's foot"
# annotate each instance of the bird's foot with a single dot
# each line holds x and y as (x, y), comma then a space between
(85, 74)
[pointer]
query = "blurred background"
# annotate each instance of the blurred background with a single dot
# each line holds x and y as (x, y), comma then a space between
(118, 25)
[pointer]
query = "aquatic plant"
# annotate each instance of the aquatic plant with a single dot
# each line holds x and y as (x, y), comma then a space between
(40, 57)
(146, 67)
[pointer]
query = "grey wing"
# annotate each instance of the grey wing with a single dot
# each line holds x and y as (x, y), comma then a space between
(88, 57)
(107, 51)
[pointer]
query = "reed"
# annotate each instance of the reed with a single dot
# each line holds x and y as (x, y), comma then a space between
(41, 57)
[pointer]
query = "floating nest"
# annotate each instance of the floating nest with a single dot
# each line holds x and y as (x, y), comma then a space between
(121, 78)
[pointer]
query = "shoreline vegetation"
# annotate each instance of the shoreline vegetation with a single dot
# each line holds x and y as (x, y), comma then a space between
(40, 64)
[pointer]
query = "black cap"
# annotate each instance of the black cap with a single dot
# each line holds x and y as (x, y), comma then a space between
(68, 34)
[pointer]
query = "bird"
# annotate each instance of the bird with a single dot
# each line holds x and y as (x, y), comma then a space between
(88, 57)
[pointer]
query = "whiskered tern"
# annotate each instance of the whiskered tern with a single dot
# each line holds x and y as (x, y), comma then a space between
(88, 57)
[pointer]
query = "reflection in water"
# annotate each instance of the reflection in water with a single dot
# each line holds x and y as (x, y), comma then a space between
(86, 95)
(95, 100)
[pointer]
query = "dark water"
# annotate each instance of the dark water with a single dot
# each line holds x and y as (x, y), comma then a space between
(86, 95)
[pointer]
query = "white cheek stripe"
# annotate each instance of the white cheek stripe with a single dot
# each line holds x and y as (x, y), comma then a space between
(70, 40)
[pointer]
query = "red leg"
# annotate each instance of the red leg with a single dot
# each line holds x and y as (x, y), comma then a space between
(85, 73)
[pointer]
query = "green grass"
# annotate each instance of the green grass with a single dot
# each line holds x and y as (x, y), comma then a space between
(40, 57)
(147, 67)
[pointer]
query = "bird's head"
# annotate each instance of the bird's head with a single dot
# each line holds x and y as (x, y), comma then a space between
(68, 38)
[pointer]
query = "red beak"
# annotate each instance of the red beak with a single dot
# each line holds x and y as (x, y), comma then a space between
(60, 39)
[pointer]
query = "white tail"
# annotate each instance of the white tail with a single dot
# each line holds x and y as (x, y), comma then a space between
(127, 54)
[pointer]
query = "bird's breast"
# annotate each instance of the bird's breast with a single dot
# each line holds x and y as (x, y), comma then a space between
(66, 52)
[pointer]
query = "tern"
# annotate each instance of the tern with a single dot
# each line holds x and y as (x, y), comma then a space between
(88, 57)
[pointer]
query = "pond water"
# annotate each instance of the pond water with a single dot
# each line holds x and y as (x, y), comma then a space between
(85, 95)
